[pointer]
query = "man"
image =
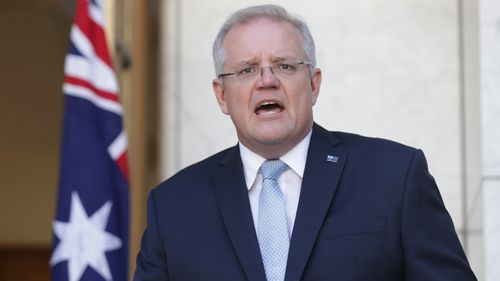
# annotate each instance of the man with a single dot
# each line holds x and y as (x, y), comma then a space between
(293, 201)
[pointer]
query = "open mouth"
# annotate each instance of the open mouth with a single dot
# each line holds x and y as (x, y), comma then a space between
(268, 107)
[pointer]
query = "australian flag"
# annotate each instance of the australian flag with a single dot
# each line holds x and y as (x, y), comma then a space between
(91, 227)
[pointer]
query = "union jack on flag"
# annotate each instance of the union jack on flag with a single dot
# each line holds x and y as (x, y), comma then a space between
(91, 227)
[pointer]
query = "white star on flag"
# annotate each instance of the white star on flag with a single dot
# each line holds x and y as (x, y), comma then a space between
(84, 240)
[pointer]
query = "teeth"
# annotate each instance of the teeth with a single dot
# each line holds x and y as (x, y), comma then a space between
(267, 103)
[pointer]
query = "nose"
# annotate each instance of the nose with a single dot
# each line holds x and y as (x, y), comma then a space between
(268, 78)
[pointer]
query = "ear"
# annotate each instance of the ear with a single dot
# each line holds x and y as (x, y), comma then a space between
(315, 84)
(218, 88)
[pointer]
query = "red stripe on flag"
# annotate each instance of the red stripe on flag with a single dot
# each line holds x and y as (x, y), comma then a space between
(88, 85)
(122, 163)
(92, 31)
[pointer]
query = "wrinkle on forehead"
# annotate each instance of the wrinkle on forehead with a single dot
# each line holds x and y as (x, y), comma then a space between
(263, 41)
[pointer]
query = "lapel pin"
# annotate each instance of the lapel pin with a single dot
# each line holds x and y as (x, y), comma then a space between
(332, 158)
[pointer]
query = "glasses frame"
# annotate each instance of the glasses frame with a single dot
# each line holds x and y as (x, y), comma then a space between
(271, 67)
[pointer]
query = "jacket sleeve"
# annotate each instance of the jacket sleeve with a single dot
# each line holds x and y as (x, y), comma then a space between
(151, 260)
(432, 250)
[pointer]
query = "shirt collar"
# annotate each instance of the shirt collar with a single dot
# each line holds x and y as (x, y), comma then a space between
(295, 159)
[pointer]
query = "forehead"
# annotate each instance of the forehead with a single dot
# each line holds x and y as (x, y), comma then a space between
(262, 39)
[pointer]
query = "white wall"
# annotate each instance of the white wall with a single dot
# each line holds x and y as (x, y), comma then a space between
(489, 26)
(391, 69)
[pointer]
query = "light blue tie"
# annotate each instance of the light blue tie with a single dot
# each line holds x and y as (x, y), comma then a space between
(273, 227)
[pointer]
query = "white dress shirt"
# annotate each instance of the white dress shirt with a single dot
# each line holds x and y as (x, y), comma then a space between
(290, 181)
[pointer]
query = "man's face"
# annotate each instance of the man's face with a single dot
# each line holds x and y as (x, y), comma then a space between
(271, 113)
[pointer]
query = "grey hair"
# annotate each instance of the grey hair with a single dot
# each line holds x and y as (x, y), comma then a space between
(271, 12)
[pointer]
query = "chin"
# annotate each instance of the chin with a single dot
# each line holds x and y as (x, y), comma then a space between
(272, 140)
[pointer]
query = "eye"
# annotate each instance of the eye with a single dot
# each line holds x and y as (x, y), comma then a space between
(286, 67)
(246, 71)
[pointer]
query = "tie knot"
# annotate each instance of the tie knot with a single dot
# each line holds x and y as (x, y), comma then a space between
(272, 169)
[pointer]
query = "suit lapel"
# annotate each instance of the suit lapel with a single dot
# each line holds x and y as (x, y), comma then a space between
(325, 162)
(232, 198)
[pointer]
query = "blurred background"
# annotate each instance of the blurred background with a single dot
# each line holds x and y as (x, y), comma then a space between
(422, 72)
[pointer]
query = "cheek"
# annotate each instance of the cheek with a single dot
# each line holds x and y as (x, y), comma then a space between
(302, 107)
(237, 104)
(303, 99)
(239, 98)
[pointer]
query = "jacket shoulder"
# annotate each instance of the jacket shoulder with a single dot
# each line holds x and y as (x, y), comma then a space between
(372, 144)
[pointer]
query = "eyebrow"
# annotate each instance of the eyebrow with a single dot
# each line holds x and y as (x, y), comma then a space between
(284, 58)
(253, 61)
(246, 63)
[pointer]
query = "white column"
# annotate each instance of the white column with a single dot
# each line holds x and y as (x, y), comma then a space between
(170, 87)
(489, 25)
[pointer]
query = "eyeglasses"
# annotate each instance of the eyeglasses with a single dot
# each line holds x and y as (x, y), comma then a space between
(280, 70)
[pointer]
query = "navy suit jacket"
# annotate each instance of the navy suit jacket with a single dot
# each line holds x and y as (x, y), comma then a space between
(369, 212)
